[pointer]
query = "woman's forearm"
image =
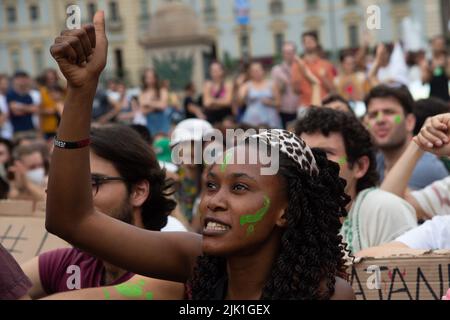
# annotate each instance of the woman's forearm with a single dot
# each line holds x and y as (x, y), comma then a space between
(71, 167)
(396, 181)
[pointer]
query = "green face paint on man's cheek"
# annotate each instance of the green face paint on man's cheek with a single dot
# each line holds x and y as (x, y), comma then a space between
(379, 116)
(342, 161)
(252, 219)
(398, 119)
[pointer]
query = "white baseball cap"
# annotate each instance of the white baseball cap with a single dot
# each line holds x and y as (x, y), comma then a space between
(190, 130)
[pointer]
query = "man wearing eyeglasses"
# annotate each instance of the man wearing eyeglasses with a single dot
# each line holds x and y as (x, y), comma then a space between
(127, 184)
(391, 122)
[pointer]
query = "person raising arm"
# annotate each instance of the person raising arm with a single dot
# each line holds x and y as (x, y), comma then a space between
(81, 56)
(262, 237)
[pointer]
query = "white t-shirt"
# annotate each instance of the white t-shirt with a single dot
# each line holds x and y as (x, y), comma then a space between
(434, 199)
(432, 235)
(377, 217)
(6, 130)
(173, 225)
(37, 99)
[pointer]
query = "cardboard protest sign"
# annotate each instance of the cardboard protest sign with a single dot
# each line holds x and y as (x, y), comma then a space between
(402, 277)
(22, 230)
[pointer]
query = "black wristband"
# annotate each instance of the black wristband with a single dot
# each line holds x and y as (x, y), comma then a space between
(72, 145)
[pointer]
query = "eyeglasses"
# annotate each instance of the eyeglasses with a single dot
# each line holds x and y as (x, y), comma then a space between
(97, 181)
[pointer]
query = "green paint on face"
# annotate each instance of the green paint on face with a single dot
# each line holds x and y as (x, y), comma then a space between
(226, 160)
(149, 296)
(106, 293)
(342, 161)
(250, 229)
(439, 71)
(255, 218)
(379, 116)
(398, 119)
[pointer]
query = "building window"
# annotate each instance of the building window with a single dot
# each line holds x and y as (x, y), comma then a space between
(350, 2)
(276, 7)
(399, 1)
(120, 72)
(279, 42)
(92, 9)
(209, 11)
(312, 4)
(11, 14)
(34, 13)
(38, 60)
(15, 60)
(113, 11)
(244, 43)
(353, 36)
(144, 9)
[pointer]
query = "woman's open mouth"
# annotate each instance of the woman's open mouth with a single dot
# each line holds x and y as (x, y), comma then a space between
(214, 227)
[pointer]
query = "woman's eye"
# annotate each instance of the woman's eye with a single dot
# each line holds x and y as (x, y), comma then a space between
(210, 186)
(240, 187)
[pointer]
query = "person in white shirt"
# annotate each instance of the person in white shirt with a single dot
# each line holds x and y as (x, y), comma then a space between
(434, 234)
(375, 216)
(6, 130)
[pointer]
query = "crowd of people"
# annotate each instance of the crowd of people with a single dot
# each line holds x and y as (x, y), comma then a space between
(350, 182)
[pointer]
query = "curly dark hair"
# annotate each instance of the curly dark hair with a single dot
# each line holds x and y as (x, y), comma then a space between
(136, 161)
(357, 139)
(312, 251)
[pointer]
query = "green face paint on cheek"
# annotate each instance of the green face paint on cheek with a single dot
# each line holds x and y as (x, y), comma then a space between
(379, 116)
(342, 161)
(226, 161)
(398, 119)
(252, 219)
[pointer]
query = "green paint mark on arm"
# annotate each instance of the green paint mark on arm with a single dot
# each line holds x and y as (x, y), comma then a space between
(226, 161)
(106, 293)
(134, 291)
(254, 218)
(129, 290)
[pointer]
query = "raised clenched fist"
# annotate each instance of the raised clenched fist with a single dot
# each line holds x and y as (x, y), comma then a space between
(81, 53)
(435, 135)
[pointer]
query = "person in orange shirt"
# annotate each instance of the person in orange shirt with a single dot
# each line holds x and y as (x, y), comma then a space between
(48, 108)
(322, 71)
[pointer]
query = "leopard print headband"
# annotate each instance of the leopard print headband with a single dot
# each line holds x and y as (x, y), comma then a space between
(292, 146)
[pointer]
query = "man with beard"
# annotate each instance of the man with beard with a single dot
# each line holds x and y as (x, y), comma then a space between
(391, 122)
(374, 216)
(129, 185)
